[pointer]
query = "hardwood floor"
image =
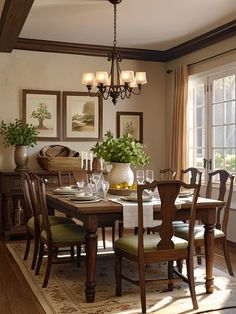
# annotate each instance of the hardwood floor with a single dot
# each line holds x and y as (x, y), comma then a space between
(16, 296)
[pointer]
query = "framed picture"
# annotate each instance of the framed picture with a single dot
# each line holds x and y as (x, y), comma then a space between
(82, 117)
(42, 109)
(131, 123)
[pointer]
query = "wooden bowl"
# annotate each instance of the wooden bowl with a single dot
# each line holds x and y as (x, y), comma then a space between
(121, 192)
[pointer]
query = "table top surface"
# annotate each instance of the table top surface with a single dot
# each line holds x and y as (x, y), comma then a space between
(113, 206)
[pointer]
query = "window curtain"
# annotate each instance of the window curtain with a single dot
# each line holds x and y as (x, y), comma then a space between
(179, 119)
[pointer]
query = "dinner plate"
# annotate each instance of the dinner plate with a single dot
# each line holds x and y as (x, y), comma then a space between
(132, 198)
(185, 194)
(84, 198)
(65, 191)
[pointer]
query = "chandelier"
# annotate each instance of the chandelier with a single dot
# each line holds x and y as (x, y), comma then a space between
(117, 83)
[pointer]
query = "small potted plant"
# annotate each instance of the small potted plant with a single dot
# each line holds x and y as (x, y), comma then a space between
(121, 153)
(22, 135)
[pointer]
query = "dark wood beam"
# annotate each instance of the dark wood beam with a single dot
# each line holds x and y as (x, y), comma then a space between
(89, 50)
(13, 17)
(218, 34)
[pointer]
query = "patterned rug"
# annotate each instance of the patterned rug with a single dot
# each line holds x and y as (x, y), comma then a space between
(65, 291)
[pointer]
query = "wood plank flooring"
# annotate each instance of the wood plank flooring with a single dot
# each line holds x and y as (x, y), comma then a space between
(16, 296)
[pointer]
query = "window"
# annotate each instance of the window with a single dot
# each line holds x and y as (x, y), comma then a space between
(212, 121)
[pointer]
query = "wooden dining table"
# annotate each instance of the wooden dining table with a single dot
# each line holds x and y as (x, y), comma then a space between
(91, 214)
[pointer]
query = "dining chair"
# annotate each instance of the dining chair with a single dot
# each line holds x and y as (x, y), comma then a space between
(34, 219)
(160, 247)
(191, 175)
(56, 236)
(226, 180)
(71, 178)
(167, 174)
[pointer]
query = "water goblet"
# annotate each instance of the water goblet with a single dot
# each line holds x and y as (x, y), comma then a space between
(80, 185)
(140, 176)
(149, 176)
(105, 188)
(95, 179)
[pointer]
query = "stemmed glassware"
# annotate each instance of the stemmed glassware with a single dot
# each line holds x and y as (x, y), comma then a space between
(105, 188)
(149, 176)
(80, 185)
(95, 178)
(140, 176)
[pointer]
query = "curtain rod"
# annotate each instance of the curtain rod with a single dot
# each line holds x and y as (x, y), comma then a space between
(208, 58)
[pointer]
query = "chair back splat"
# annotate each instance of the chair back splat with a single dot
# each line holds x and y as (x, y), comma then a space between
(167, 174)
(193, 174)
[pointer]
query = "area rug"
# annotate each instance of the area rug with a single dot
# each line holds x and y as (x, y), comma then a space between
(65, 291)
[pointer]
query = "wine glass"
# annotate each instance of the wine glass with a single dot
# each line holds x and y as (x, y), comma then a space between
(95, 179)
(149, 176)
(140, 176)
(105, 188)
(80, 185)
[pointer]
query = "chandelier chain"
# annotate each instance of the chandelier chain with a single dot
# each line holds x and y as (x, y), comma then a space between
(115, 32)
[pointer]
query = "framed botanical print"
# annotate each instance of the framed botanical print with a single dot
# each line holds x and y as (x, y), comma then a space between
(131, 123)
(41, 108)
(82, 116)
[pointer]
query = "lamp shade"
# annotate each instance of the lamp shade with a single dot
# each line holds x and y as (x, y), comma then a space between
(127, 76)
(88, 79)
(141, 78)
(101, 77)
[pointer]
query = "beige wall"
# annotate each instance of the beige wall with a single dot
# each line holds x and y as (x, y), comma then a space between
(47, 71)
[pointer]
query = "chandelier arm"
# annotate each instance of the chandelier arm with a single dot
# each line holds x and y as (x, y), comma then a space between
(136, 92)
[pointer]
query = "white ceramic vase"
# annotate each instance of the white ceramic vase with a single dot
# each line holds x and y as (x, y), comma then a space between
(121, 172)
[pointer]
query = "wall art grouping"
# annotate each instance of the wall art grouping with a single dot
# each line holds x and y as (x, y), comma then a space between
(77, 118)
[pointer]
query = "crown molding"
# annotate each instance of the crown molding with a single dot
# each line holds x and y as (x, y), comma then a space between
(15, 13)
(89, 50)
(13, 17)
(218, 34)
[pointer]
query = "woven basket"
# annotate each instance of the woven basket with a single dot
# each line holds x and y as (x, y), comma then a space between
(59, 163)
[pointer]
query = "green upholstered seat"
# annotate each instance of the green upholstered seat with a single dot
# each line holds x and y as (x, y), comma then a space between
(66, 233)
(182, 232)
(53, 220)
(130, 243)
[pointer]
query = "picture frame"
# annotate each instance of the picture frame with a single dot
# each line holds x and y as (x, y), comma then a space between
(130, 122)
(82, 116)
(42, 109)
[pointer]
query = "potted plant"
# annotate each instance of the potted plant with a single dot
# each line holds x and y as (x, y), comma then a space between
(121, 152)
(22, 135)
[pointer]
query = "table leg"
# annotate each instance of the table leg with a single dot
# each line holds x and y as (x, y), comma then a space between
(91, 255)
(209, 254)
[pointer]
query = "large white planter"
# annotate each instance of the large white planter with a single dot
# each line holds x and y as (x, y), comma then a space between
(121, 172)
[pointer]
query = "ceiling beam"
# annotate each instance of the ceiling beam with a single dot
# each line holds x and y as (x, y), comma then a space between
(13, 17)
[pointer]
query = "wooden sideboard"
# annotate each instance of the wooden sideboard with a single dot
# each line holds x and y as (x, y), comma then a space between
(11, 196)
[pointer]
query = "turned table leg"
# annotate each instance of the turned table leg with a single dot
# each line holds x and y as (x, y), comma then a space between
(209, 254)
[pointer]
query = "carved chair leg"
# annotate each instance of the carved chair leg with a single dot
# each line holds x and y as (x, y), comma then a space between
(190, 274)
(27, 248)
(103, 237)
(113, 235)
(170, 275)
(78, 255)
(118, 270)
(72, 252)
(48, 268)
(142, 287)
(198, 253)
(180, 265)
(36, 250)
(40, 258)
(227, 258)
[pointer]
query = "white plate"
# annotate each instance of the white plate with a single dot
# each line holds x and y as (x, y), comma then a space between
(134, 198)
(84, 198)
(185, 194)
(65, 191)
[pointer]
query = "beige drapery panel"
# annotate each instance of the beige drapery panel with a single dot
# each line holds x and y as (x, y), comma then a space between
(178, 120)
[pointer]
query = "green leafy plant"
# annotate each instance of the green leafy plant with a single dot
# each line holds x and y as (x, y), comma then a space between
(18, 133)
(123, 149)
